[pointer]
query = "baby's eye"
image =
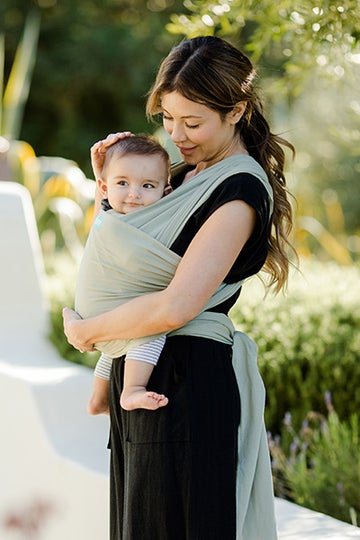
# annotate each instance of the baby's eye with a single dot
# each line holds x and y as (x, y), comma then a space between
(122, 183)
(149, 186)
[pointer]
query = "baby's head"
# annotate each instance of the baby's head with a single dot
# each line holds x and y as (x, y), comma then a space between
(135, 173)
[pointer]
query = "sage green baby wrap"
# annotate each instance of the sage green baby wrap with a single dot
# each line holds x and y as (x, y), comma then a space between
(127, 256)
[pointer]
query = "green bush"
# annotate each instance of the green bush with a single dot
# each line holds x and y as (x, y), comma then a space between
(308, 340)
(60, 288)
(319, 465)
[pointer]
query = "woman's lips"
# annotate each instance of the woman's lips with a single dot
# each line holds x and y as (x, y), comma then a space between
(186, 151)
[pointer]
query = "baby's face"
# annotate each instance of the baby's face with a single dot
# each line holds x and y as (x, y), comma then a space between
(134, 181)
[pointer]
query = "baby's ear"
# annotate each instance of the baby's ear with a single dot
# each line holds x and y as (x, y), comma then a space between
(168, 189)
(102, 187)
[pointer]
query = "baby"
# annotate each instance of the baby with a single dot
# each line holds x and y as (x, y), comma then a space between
(135, 173)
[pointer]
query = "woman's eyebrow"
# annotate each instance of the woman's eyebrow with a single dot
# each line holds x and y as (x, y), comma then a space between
(186, 115)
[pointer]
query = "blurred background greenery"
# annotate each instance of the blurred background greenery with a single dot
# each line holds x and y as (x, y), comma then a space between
(75, 70)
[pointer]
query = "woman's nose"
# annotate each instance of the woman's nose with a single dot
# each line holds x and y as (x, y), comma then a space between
(177, 133)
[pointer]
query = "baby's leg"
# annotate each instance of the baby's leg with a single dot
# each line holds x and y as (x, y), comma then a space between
(134, 394)
(99, 401)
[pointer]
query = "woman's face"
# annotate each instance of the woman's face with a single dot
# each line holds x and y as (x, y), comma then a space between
(199, 133)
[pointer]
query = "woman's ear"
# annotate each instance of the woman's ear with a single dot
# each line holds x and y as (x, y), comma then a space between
(237, 112)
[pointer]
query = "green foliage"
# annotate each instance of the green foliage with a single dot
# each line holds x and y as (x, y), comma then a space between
(63, 205)
(318, 466)
(91, 77)
(308, 341)
(14, 94)
(62, 196)
(14, 98)
(308, 56)
(60, 289)
(294, 38)
(324, 125)
(95, 63)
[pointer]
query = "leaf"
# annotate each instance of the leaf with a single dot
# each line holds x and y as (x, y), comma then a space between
(18, 85)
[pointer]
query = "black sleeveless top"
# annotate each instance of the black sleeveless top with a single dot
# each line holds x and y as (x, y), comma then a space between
(240, 186)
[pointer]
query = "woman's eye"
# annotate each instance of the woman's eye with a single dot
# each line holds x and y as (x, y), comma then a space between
(193, 126)
(164, 117)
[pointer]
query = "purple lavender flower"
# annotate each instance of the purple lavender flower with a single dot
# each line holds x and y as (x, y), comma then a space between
(287, 419)
(328, 401)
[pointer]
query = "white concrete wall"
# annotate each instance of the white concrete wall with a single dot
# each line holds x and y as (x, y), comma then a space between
(54, 461)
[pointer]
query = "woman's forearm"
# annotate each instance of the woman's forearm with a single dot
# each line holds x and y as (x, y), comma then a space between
(202, 269)
(157, 316)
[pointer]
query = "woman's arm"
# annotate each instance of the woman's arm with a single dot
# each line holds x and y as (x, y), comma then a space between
(202, 269)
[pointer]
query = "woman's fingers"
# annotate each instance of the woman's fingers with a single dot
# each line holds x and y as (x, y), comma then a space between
(70, 317)
(119, 135)
(103, 144)
(98, 150)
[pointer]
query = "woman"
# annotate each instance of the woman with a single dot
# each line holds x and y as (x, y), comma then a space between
(174, 471)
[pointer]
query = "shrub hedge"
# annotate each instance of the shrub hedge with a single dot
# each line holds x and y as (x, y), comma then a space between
(318, 466)
(308, 341)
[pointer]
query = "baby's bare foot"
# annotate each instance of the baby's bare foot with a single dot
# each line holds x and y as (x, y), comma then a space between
(142, 399)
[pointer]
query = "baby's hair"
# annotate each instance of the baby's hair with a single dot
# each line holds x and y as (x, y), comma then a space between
(142, 145)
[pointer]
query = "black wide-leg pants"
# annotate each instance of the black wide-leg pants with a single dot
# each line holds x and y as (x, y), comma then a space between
(173, 470)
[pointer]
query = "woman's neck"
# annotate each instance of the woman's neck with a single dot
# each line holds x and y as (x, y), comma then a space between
(236, 148)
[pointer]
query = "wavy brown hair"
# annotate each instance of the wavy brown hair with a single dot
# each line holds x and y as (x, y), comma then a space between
(210, 71)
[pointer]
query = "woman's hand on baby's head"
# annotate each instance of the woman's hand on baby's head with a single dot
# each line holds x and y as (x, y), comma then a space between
(104, 144)
(98, 150)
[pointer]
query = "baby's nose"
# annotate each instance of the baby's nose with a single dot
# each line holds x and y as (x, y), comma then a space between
(134, 193)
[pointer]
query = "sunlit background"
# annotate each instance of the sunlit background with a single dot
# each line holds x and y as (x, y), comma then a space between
(72, 71)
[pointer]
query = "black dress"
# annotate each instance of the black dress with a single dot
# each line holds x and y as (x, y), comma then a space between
(173, 470)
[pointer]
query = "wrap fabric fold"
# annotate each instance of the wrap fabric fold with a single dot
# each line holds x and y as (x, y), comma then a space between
(254, 490)
(130, 256)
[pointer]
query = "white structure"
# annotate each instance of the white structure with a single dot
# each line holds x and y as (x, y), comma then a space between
(54, 461)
